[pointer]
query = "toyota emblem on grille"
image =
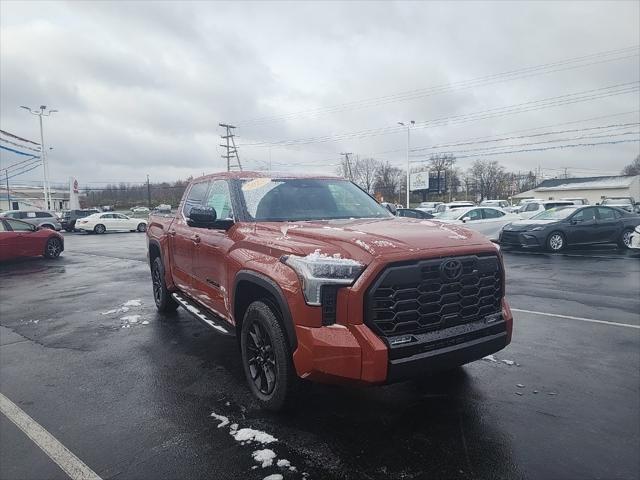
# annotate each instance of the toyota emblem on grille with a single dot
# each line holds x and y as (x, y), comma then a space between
(451, 269)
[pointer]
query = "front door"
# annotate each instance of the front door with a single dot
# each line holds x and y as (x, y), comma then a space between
(581, 227)
(182, 239)
(24, 240)
(210, 272)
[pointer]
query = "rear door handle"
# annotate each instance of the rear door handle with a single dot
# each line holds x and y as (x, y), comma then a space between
(196, 239)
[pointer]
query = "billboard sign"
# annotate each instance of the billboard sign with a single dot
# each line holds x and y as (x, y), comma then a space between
(419, 181)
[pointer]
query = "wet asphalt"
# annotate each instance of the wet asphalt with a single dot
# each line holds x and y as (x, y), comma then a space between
(561, 402)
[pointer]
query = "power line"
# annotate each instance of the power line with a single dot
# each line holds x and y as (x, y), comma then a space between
(434, 90)
(18, 138)
(533, 105)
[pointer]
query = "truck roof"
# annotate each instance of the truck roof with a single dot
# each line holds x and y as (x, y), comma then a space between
(248, 175)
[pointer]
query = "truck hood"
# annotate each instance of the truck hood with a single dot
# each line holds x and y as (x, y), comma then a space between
(364, 239)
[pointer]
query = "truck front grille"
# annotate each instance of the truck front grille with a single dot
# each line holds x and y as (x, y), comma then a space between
(434, 294)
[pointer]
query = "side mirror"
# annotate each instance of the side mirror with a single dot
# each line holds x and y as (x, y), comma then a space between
(466, 219)
(202, 217)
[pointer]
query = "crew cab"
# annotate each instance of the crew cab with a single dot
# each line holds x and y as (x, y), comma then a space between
(318, 281)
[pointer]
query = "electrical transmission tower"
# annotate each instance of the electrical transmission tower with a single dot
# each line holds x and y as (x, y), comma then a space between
(230, 145)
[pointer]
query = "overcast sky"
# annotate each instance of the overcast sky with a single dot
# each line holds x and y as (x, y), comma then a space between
(142, 86)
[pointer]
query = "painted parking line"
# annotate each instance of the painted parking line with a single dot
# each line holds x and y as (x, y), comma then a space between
(61, 455)
(581, 319)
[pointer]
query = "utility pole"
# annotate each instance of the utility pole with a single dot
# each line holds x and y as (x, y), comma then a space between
(148, 193)
(230, 145)
(43, 153)
(6, 174)
(346, 157)
(408, 125)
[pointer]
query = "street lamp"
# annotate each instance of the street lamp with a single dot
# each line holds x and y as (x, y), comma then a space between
(42, 111)
(408, 125)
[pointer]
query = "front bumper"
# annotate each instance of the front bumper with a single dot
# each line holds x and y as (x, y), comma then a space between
(355, 354)
(520, 239)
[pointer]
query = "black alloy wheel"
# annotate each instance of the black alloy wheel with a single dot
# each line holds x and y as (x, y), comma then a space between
(266, 357)
(53, 248)
(142, 227)
(164, 301)
(625, 238)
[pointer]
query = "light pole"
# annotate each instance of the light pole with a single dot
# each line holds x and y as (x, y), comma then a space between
(408, 125)
(42, 111)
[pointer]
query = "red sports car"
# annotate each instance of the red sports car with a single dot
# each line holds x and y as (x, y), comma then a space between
(21, 239)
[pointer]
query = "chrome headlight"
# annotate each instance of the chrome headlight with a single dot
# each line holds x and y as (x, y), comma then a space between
(318, 269)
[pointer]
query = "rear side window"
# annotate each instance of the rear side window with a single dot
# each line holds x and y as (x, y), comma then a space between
(195, 198)
(606, 213)
(492, 213)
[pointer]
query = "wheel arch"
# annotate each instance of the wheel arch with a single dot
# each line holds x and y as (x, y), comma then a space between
(250, 286)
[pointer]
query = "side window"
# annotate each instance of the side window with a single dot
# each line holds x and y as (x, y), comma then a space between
(120, 216)
(492, 213)
(28, 215)
(196, 196)
(585, 214)
(219, 199)
(531, 207)
(18, 226)
(606, 213)
(43, 215)
(474, 214)
(2, 229)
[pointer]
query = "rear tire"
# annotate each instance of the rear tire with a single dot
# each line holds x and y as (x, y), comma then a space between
(625, 238)
(99, 228)
(164, 301)
(53, 248)
(266, 357)
(142, 227)
(556, 242)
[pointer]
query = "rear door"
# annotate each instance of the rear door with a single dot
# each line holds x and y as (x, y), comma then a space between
(492, 222)
(609, 224)
(210, 265)
(582, 227)
(183, 239)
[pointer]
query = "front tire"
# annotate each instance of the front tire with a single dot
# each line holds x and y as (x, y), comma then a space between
(266, 357)
(556, 242)
(99, 228)
(142, 227)
(164, 301)
(625, 238)
(53, 248)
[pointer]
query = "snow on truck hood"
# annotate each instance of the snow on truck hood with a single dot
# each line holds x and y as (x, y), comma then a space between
(362, 239)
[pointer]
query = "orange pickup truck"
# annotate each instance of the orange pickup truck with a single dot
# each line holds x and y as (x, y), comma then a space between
(320, 282)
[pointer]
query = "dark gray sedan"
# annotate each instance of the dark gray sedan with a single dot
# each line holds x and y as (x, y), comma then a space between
(557, 228)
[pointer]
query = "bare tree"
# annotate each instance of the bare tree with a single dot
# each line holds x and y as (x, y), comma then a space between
(633, 168)
(361, 171)
(442, 163)
(489, 177)
(388, 181)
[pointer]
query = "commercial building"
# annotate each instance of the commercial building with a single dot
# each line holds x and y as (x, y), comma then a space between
(32, 198)
(593, 189)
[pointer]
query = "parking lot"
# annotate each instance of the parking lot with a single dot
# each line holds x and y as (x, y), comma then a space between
(131, 394)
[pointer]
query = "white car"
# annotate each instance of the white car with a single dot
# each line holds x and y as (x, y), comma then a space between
(635, 238)
(140, 210)
(486, 220)
(534, 207)
(445, 207)
(110, 222)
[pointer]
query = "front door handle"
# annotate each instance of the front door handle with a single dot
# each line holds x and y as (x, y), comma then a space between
(195, 239)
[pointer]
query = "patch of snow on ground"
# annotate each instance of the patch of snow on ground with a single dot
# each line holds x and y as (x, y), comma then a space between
(133, 303)
(110, 312)
(146, 322)
(131, 318)
(284, 463)
(508, 362)
(224, 421)
(265, 457)
(273, 476)
(251, 435)
(490, 358)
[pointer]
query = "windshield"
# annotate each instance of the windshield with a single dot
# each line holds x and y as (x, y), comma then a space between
(555, 213)
(616, 201)
(299, 199)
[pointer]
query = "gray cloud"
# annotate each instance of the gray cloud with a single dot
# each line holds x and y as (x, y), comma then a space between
(141, 86)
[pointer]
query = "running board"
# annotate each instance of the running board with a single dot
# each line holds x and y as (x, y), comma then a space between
(205, 317)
